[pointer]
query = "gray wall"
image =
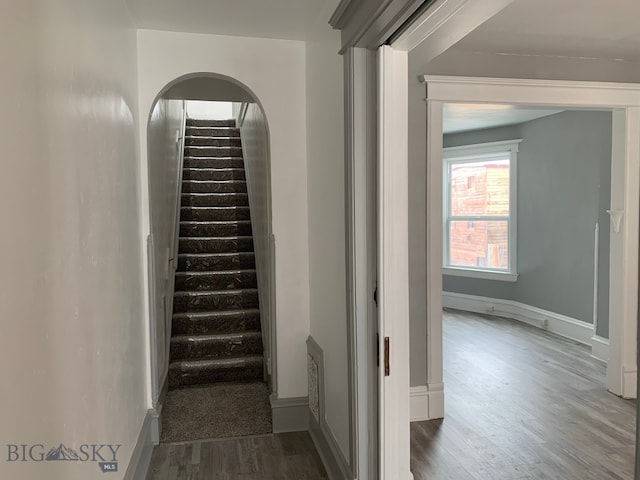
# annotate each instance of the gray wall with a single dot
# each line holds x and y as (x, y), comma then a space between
(563, 190)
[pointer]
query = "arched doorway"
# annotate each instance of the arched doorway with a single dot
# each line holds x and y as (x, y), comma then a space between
(174, 147)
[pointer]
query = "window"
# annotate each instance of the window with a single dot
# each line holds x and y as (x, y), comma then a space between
(480, 210)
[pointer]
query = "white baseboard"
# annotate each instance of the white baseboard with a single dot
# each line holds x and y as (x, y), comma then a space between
(141, 457)
(418, 403)
(562, 325)
(289, 414)
(600, 348)
(330, 453)
(629, 382)
(426, 402)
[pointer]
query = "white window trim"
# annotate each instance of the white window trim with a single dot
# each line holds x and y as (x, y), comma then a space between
(480, 152)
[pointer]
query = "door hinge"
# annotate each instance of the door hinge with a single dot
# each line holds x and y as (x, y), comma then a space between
(387, 367)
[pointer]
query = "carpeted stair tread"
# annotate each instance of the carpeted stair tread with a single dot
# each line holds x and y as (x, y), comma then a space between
(215, 244)
(214, 186)
(215, 213)
(218, 280)
(215, 199)
(221, 321)
(204, 228)
(212, 151)
(196, 122)
(202, 346)
(217, 174)
(212, 370)
(215, 261)
(212, 141)
(219, 131)
(213, 162)
(186, 301)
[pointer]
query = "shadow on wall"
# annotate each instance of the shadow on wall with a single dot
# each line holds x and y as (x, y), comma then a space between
(165, 141)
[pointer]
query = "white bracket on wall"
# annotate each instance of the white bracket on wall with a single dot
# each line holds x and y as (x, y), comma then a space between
(616, 219)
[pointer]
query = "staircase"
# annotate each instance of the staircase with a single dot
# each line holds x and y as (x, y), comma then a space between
(216, 334)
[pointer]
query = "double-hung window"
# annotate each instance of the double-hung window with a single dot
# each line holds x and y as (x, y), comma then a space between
(480, 210)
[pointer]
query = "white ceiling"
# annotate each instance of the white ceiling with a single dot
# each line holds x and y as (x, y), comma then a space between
(462, 117)
(562, 28)
(285, 19)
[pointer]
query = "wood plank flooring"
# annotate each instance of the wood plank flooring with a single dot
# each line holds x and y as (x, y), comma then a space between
(282, 456)
(522, 404)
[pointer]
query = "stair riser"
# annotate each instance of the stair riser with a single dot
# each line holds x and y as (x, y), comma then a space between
(245, 345)
(215, 301)
(216, 281)
(214, 187)
(213, 174)
(212, 152)
(212, 162)
(204, 263)
(222, 141)
(230, 229)
(215, 200)
(215, 245)
(214, 214)
(192, 122)
(179, 377)
(212, 132)
(189, 324)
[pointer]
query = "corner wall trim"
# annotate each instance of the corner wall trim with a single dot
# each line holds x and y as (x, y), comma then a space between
(418, 403)
(148, 437)
(562, 325)
(290, 414)
(334, 462)
(600, 348)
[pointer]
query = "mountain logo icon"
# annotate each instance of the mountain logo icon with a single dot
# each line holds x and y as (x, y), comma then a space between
(62, 453)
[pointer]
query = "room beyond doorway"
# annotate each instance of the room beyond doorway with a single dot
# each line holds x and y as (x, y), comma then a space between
(546, 414)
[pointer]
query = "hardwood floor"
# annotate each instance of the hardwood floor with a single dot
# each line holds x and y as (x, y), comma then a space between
(522, 404)
(282, 456)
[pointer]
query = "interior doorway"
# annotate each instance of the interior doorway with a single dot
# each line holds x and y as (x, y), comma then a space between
(211, 260)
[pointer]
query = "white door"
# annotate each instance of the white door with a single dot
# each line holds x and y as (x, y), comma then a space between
(393, 265)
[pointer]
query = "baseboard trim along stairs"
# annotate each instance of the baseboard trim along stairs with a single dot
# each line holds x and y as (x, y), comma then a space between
(216, 333)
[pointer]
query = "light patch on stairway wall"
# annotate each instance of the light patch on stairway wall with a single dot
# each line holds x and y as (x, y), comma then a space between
(209, 110)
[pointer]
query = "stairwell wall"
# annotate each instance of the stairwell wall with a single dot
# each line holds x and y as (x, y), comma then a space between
(255, 148)
(72, 335)
(164, 175)
(274, 70)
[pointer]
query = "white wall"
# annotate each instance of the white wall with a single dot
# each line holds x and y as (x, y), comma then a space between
(327, 257)
(255, 148)
(164, 175)
(72, 336)
(274, 71)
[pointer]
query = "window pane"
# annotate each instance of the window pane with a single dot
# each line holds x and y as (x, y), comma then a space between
(480, 188)
(479, 244)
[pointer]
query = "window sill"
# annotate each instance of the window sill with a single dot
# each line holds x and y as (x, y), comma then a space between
(480, 274)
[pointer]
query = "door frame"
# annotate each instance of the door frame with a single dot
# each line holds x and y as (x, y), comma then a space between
(624, 100)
